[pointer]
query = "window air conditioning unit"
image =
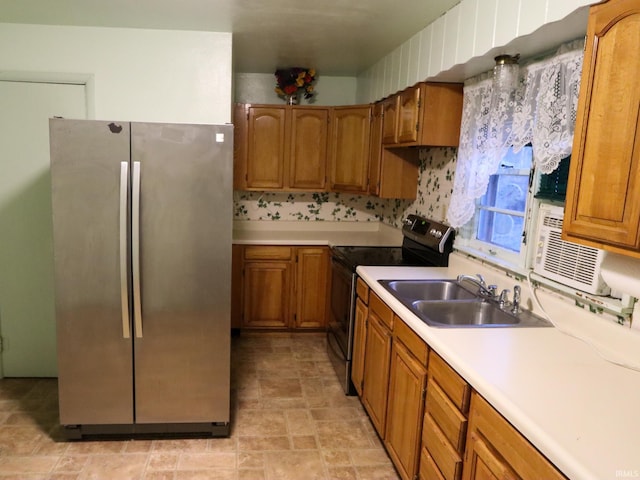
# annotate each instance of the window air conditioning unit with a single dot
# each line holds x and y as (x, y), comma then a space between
(566, 262)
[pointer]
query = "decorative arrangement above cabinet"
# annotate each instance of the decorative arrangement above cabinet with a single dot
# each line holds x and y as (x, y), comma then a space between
(603, 193)
(358, 149)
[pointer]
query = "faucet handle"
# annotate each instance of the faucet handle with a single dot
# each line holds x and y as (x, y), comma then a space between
(516, 298)
(492, 290)
(481, 278)
(503, 301)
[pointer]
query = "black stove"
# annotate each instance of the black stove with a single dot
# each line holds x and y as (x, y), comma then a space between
(425, 243)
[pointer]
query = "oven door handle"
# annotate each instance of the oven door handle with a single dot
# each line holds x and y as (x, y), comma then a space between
(335, 347)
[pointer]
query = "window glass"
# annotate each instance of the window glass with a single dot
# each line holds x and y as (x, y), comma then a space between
(497, 228)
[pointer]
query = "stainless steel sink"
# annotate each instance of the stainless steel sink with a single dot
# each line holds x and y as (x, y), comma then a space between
(473, 314)
(447, 304)
(427, 290)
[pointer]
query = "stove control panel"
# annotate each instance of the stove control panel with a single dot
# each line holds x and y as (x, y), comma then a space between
(427, 232)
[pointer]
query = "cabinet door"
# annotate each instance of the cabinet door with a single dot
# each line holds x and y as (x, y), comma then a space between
(497, 450)
(359, 344)
(390, 120)
(350, 127)
(405, 409)
(308, 149)
(266, 148)
(266, 294)
(376, 372)
(603, 196)
(483, 463)
(408, 114)
(312, 274)
(375, 150)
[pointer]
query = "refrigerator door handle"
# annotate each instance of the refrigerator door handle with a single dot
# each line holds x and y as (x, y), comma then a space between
(135, 249)
(124, 290)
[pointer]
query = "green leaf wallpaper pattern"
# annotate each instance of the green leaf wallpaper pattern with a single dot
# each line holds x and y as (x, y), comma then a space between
(435, 184)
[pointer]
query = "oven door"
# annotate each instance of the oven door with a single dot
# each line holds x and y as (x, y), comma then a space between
(340, 332)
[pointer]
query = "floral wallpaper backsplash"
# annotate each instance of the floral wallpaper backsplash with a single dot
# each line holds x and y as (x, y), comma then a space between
(435, 184)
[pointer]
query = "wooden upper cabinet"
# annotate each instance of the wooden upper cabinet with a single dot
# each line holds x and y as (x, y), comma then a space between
(408, 114)
(603, 194)
(280, 147)
(390, 120)
(427, 114)
(375, 148)
(308, 154)
(349, 144)
(266, 148)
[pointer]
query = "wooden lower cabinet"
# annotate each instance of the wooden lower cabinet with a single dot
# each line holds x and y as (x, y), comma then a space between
(452, 433)
(376, 372)
(266, 299)
(283, 287)
(496, 450)
(311, 278)
(405, 408)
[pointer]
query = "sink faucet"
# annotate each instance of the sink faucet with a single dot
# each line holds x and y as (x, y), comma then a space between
(479, 282)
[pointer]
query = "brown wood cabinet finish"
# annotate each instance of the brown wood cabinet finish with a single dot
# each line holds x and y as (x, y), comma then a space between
(266, 301)
(376, 371)
(281, 148)
(349, 148)
(603, 195)
(497, 450)
(427, 114)
(308, 154)
(405, 408)
(311, 292)
(283, 287)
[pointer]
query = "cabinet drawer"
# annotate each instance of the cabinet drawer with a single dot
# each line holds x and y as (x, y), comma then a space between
(451, 383)
(428, 468)
(452, 423)
(445, 457)
(411, 340)
(381, 310)
(362, 290)
(267, 253)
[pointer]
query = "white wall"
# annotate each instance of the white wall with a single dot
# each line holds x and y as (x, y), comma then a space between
(462, 42)
(258, 88)
(135, 74)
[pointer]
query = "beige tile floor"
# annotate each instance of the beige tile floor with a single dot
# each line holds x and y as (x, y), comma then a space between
(290, 421)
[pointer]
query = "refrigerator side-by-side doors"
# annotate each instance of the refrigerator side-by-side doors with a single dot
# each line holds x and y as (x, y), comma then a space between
(181, 251)
(89, 171)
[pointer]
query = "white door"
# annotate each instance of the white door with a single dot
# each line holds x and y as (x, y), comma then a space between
(27, 322)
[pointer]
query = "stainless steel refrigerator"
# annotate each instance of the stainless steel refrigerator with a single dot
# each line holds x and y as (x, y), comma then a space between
(142, 224)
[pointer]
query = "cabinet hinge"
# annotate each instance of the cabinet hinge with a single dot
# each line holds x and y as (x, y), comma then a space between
(417, 126)
(1, 344)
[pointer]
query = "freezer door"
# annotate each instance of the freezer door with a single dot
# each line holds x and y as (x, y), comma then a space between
(89, 189)
(182, 338)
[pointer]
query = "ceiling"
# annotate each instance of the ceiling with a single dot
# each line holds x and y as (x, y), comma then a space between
(337, 37)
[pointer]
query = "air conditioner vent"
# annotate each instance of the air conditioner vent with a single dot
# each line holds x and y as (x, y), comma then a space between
(566, 262)
(552, 221)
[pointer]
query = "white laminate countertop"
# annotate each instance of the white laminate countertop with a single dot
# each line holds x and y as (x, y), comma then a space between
(315, 233)
(580, 411)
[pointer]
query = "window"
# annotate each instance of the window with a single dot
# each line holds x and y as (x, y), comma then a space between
(498, 225)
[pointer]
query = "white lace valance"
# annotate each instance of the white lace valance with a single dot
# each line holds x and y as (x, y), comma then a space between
(542, 111)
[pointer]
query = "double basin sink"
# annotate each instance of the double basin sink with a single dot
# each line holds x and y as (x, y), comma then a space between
(446, 303)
